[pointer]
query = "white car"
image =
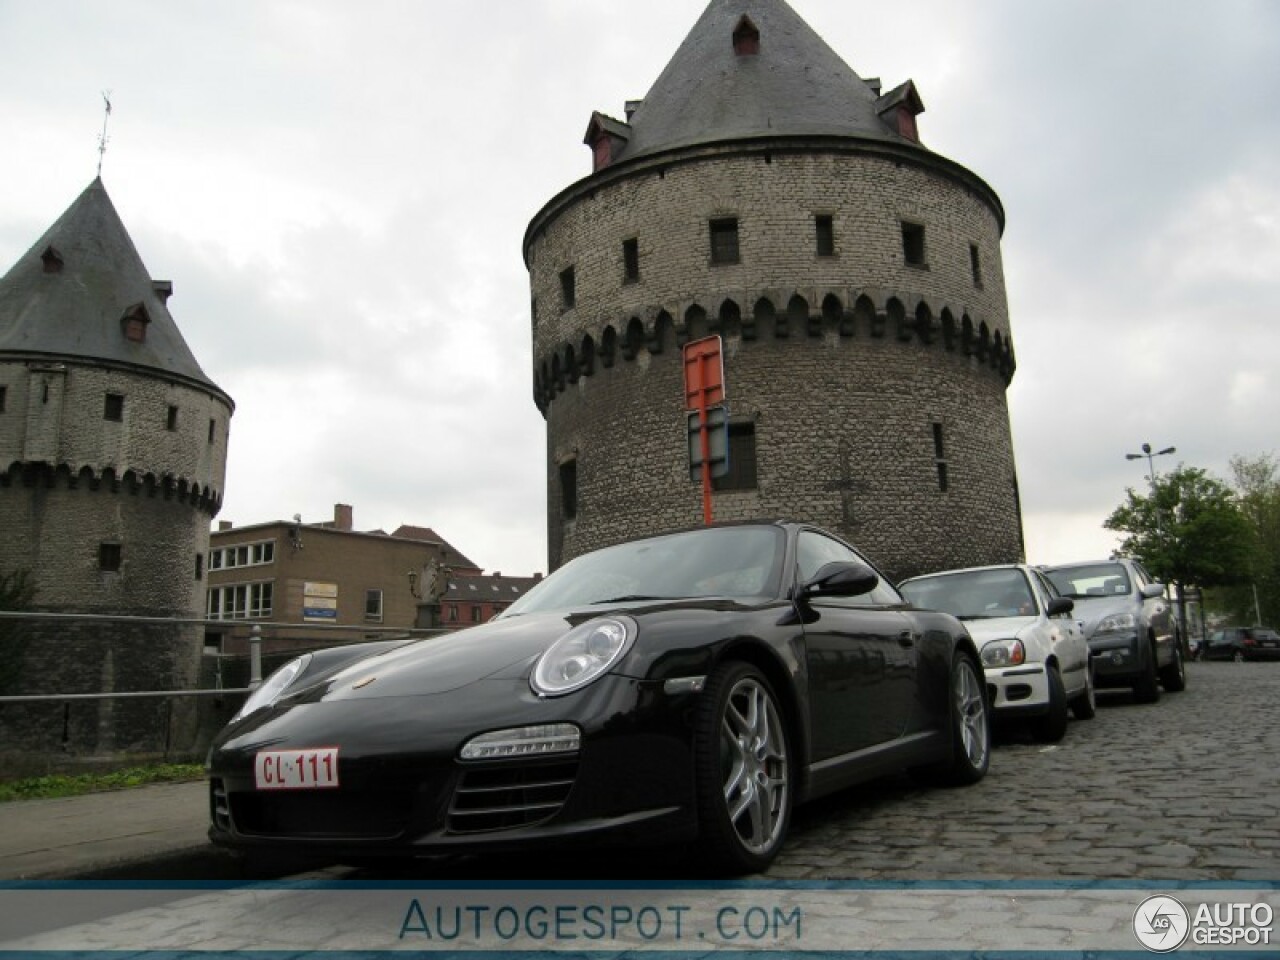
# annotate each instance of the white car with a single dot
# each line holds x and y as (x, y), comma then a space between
(1034, 652)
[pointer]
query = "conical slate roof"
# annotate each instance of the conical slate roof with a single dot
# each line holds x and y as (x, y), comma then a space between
(795, 85)
(69, 294)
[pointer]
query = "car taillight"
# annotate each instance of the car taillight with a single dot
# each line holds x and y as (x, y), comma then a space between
(1250, 642)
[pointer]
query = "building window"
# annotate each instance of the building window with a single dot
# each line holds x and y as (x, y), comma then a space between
(213, 427)
(4, 392)
(240, 601)
(742, 459)
(630, 260)
(113, 407)
(373, 605)
(975, 263)
(724, 240)
(243, 555)
(568, 489)
(913, 244)
(199, 566)
(746, 38)
(109, 557)
(171, 422)
(568, 289)
(826, 235)
(476, 613)
(939, 456)
(453, 613)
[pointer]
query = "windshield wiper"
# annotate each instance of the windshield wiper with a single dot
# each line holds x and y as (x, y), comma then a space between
(627, 598)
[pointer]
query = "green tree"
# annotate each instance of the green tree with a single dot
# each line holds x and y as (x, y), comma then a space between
(1257, 486)
(1189, 530)
(16, 593)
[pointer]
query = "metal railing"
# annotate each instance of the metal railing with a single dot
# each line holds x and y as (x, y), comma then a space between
(255, 639)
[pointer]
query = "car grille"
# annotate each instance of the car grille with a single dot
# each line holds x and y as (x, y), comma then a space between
(514, 795)
(322, 813)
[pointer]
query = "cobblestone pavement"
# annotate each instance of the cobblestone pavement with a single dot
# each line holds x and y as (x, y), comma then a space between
(1184, 789)
(1187, 788)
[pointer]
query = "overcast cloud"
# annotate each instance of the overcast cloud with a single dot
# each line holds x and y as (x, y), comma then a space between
(338, 192)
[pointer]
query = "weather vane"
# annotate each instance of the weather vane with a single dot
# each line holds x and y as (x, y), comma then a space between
(102, 137)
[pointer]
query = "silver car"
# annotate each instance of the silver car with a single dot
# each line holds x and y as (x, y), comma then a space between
(1129, 623)
(1034, 654)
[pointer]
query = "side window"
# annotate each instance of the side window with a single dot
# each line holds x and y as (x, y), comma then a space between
(814, 551)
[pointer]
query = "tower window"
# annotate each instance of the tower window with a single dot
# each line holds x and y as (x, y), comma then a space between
(213, 429)
(568, 293)
(746, 38)
(939, 456)
(199, 566)
(913, 244)
(113, 407)
(724, 240)
(742, 459)
(975, 263)
(826, 234)
(4, 392)
(171, 421)
(569, 489)
(109, 557)
(630, 260)
(52, 260)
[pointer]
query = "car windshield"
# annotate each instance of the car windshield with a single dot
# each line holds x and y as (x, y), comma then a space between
(1091, 580)
(974, 594)
(715, 562)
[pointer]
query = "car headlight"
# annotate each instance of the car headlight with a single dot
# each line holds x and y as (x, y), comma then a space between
(1117, 622)
(1004, 653)
(273, 686)
(581, 655)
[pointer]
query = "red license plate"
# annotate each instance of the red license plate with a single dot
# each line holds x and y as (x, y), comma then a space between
(296, 769)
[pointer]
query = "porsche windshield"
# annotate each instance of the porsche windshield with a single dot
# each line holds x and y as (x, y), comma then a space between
(716, 562)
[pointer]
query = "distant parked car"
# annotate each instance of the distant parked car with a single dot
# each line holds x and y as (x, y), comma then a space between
(1243, 643)
(1034, 653)
(1129, 624)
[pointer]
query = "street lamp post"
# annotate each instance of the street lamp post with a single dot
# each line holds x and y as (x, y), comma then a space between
(1151, 476)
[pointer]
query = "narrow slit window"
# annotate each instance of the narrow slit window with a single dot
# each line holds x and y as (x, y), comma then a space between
(171, 420)
(569, 489)
(975, 264)
(824, 228)
(113, 407)
(568, 288)
(4, 393)
(630, 260)
(213, 430)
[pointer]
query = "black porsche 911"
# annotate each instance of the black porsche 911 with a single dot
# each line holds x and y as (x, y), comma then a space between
(689, 686)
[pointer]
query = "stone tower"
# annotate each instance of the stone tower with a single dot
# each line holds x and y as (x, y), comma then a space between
(113, 447)
(765, 192)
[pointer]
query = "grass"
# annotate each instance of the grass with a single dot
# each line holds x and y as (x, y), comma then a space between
(70, 785)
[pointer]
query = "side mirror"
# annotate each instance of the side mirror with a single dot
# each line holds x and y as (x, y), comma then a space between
(1060, 605)
(841, 578)
(1153, 590)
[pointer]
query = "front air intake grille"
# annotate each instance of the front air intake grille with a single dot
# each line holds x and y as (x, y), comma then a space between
(323, 813)
(517, 794)
(219, 808)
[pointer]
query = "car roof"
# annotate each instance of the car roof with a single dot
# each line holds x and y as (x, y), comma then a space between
(992, 566)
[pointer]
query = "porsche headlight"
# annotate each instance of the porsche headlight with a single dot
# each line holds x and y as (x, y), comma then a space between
(583, 654)
(1004, 653)
(1117, 622)
(273, 686)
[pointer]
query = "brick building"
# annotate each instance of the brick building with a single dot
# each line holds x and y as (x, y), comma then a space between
(113, 447)
(327, 575)
(473, 599)
(765, 192)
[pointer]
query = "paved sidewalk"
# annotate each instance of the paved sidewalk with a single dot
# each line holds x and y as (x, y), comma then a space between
(95, 833)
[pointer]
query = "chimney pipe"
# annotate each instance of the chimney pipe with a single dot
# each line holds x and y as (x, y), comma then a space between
(342, 516)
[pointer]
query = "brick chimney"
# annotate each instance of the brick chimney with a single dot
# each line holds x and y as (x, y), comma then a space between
(342, 516)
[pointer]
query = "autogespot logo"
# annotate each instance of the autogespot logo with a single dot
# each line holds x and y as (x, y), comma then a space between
(1161, 924)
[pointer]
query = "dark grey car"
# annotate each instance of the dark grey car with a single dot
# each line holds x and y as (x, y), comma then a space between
(1130, 626)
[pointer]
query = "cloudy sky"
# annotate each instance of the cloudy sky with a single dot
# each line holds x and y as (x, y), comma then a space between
(338, 192)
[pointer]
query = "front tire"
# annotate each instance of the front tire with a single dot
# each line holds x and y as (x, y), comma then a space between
(970, 719)
(1052, 727)
(743, 770)
(1085, 706)
(1146, 689)
(1174, 677)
